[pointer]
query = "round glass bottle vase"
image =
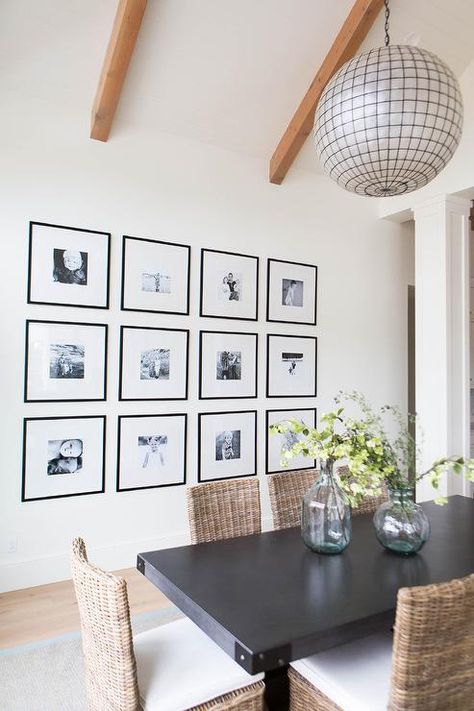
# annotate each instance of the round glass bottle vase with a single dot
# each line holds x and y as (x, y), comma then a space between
(401, 525)
(326, 514)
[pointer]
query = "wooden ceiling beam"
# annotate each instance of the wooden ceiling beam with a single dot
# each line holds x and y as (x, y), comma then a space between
(345, 46)
(119, 52)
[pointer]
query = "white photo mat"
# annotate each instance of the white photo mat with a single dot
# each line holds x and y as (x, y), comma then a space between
(291, 366)
(54, 246)
(153, 363)
(277, 442)
(291, 292)
(151, 451)
(227, 445)
(155, 276)
(65, 361)
(43, 440)
(229, 285)
(228, 365)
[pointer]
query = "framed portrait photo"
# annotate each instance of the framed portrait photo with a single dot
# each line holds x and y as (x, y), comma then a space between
(229, 285)
(153, 363)
(291, 292)
(151, 451)
(63, 456)
(68, 266)
(291, 366)
(227, 365)
(276, 444)
(155, 276)
(227, 445)
(65, 361)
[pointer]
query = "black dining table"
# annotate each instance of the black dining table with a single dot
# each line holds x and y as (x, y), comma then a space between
(267, 600)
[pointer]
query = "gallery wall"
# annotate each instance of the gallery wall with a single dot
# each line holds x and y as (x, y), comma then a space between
(168, 188)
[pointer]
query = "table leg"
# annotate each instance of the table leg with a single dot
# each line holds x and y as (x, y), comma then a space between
(277, 689)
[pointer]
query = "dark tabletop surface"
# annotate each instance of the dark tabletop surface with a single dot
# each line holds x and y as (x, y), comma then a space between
(267, 600)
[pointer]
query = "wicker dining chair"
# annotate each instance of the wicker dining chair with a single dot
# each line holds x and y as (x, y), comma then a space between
(288, 488)
(171, 668)
(224, 509)
(286, 493)
(428, 665)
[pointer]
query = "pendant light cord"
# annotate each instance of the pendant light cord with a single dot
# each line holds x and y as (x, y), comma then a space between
(387, 17)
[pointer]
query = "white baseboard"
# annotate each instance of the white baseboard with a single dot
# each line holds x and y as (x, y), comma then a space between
(51, 569)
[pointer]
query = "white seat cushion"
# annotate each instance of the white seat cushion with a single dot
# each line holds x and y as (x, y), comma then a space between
(180, 667)
(356, 676)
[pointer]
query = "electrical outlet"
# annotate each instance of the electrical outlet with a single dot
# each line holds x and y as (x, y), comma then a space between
(12, 544)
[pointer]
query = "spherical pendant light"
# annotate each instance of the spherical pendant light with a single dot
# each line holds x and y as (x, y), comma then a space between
(389, 121)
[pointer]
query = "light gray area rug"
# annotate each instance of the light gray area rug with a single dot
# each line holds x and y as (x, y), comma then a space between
(49, 675)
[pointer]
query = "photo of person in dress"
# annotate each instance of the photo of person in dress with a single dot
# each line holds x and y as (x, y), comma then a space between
(64, 456)
(70, 266)
(228, 445)
(291, 363)
(155, 364)
(231, 287)
(66, 361)
(228, 365)
(156, 281)
(291, 292)
(152, 451)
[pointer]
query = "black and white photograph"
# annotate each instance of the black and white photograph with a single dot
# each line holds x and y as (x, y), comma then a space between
(227, 365)
(229, 285)
(227, 445)
(158, 282)
(155, 276)
(277, 444)
(65, 361)
(151, 451)
(153, 363)
(68, 266)
(291, 292)
(291, 366)
(63, 456)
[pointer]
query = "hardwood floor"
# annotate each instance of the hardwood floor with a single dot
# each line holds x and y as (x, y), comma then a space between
(46, 611)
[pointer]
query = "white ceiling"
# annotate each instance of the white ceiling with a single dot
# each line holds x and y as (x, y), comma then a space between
(225, 72)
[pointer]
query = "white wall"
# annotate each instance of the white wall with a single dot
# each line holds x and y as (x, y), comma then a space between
(170, 188)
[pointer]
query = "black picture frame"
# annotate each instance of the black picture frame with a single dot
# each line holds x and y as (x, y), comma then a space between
(26, 420)
(108, 238)
(294, 395)
(121, 366)
(207, 314)
(120, 419)
(187, 280)
(201, 416)
(202, 335)
(271, 261)
(63, 323)
(267, 437)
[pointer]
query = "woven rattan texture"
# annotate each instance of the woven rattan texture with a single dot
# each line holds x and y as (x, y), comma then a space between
(111, 673)
(286, 493)
(433, 648)
(224, 509)
(250, 698)
(306, 697)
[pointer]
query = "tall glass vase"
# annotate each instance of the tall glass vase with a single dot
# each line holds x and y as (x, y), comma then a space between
(401, 525)
(326, 514)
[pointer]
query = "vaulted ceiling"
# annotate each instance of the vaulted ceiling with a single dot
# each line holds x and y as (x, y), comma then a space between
(223, 72)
